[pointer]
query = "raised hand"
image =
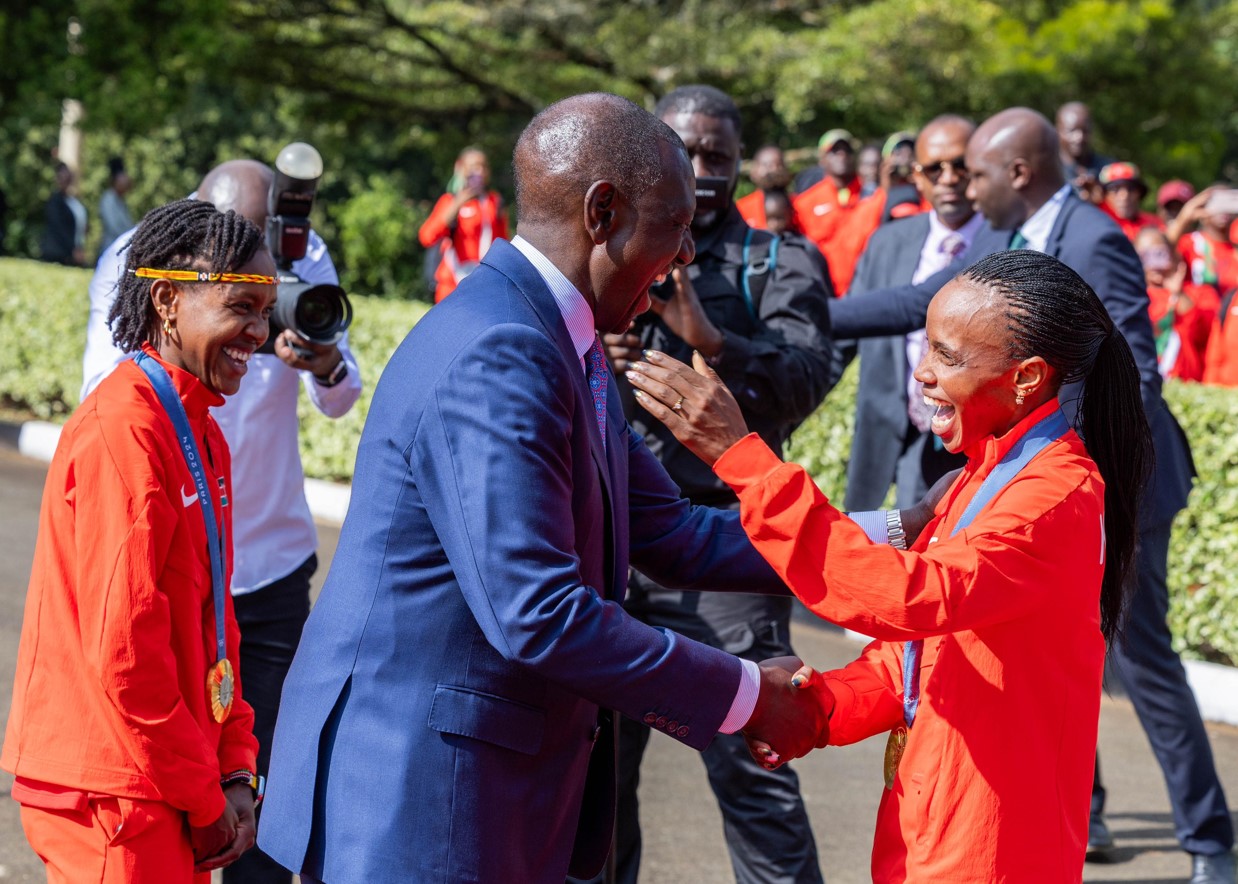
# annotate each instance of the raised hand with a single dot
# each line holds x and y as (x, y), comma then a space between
(683, 314)
(694, 404)
(622, 350)
(792, 715)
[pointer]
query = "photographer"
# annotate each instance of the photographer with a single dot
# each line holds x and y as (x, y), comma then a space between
(275, 538)
(756, 306)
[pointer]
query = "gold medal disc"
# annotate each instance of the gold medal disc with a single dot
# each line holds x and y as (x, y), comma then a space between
(894, 753)
(220, 686)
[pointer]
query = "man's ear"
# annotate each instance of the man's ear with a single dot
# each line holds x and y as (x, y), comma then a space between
(601, 207)
(1020, 174)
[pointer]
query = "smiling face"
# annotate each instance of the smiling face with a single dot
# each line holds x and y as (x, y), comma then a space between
(966, 370)
(216, 327)
(647, 239)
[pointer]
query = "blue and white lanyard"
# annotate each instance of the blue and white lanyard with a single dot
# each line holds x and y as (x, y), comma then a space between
(1034, 441)
(162, 383)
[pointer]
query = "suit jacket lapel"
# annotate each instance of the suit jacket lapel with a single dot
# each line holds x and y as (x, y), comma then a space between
(1053, 245)
(908, 257)
(507, 259)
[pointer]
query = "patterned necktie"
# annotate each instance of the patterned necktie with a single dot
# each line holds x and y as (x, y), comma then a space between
(1018, 241)
(595, 361)
(921, 415)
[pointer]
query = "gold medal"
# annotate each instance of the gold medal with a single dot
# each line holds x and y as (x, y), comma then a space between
(894, 753)
(220, 686)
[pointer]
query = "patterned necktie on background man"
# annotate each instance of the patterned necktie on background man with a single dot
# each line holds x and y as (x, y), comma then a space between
(921, 415)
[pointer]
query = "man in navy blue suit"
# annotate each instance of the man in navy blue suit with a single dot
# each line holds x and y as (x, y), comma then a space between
(447, 717)
(1018, 184)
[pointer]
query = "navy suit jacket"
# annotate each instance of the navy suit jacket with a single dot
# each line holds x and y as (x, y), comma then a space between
(445, 716)
(881, 421)
(1090, 243)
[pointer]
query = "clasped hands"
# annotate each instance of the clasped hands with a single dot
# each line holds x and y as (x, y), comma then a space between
(792, 714)
(222, 842)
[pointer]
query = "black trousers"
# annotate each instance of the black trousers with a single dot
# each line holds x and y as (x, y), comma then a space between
(764, 821)
(271, 620)
(1155, 680)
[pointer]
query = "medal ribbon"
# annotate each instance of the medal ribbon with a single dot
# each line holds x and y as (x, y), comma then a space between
(162, 383)
(1034, 441)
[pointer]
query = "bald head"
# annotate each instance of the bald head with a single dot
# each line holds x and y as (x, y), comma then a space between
(583, 139)
(1014, 165)
(941, 169)
(239, 185)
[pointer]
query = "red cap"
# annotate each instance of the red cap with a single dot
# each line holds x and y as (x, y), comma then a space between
(1116, 172)
(1174, 191)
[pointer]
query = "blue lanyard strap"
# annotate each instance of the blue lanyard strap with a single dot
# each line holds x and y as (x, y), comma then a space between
(162, 383)
(1034, 441)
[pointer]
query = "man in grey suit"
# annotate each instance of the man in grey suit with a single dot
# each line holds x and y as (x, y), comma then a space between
(891, 441)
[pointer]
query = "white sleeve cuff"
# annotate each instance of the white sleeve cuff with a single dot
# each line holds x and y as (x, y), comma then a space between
(745, 698)
(872, 523)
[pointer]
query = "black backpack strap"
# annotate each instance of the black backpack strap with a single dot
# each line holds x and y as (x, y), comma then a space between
(1226, 302)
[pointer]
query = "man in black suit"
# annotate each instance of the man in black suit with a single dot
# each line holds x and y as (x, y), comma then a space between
(1018, 184)
(891, 441)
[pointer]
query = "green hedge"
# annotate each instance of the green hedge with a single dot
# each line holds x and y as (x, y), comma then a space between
(43, 316)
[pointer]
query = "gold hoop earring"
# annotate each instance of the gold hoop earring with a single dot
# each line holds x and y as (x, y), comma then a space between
(1018, 397)
(167, 329)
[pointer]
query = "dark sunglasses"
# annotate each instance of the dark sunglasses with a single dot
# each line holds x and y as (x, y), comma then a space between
(935, 171)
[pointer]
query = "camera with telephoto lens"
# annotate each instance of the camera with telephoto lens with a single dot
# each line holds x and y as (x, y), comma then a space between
(317, 312)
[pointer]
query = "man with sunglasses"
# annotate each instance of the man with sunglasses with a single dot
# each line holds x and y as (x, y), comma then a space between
(892, 442)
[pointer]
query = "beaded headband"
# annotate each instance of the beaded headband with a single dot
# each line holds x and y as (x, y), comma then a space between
(204, 276)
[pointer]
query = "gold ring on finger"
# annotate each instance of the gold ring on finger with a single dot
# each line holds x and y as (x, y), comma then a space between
(678, 406)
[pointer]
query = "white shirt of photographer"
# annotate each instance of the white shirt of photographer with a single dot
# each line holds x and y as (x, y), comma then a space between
(272, 528)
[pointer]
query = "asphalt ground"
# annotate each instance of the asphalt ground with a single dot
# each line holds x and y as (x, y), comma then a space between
(682, 828)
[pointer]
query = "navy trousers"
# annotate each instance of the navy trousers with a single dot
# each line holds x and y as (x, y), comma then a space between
(1155, 680)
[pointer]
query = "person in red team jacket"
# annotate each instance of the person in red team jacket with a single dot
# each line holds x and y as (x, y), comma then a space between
(991, 629)
(132, 746)
(464, 223)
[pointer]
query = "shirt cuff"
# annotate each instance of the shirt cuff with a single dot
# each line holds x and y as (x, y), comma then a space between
(872, 523)
(745, 698)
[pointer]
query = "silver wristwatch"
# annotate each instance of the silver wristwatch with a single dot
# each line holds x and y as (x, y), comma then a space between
(895, 535)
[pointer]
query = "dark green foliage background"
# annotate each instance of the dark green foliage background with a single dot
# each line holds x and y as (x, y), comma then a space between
(390, 90)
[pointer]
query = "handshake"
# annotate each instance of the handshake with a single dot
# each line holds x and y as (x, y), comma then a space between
(792, 714)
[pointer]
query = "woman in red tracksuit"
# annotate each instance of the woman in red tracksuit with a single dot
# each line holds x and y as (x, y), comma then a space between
(464, 222)
(131, 744)
(997, 615)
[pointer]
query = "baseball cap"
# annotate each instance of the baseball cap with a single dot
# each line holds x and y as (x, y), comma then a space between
(831, 138)
(1116, 173)
(895, 140)
(1176, 190)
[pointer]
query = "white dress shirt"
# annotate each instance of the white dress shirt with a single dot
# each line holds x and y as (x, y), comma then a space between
(1037, 228)
(578, 317)
(272, 528)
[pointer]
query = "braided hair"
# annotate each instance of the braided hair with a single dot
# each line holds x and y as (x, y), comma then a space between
(1052, 313)
(184, 235)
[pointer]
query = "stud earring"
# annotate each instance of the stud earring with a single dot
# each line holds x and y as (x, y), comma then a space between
(1018, 397)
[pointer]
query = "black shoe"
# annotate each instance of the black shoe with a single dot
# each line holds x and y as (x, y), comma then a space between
(1100, 840)
(1217, 869)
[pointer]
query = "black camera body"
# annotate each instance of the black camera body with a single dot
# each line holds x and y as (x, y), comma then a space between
(317, 312)
(713, 194)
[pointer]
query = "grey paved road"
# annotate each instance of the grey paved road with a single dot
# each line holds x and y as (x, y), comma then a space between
(683, 840)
